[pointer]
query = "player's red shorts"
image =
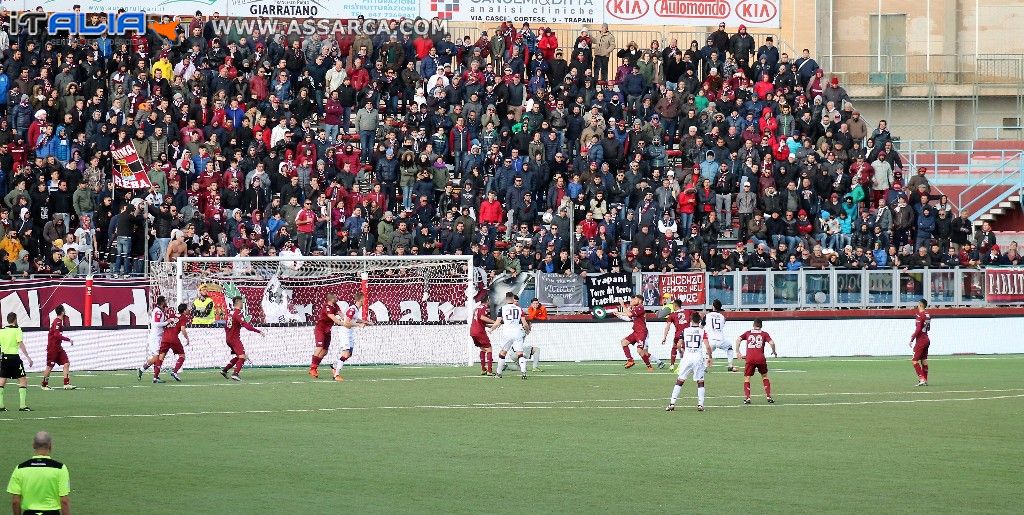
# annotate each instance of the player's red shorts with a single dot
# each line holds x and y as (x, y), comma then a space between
(176, 347)
(56, 357)
(322, 340)
(637, 338)
(751, 367)
(481, 340)
(236, 348)
(921, 348)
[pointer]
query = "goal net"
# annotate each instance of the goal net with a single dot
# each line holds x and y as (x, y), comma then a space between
(419, 306)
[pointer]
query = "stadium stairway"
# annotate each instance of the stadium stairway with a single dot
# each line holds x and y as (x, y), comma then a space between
(986, 181)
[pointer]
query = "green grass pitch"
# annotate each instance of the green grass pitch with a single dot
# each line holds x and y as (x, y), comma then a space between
(845, 435)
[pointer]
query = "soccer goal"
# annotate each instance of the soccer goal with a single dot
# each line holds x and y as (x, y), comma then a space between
(420, 305)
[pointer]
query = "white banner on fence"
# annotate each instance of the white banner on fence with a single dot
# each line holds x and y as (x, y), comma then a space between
(586, 341)
(572, 341)
(518, 11)
(752, 13)
(332, 9)
(119, 349)
(344, 9)
(694, 13)
(698, 13)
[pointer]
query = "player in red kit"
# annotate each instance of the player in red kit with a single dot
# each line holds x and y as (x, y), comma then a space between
(55, 354)
(171, 342)
(326, 319)
(233, 331)
(680, 320)
(478, 332)
(635, 313)
(920, 342)
(756, 339)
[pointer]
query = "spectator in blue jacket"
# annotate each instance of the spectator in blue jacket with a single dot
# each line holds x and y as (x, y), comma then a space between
(925, 226)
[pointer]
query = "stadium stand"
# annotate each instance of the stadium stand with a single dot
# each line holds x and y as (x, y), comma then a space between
(528, 152)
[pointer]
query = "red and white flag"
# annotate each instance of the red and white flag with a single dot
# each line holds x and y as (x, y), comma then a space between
(128, 170)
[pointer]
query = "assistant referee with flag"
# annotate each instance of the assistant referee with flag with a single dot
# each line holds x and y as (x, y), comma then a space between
(41, 485)
(11, 344)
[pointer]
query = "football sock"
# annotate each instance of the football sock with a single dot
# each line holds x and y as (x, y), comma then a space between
(522, 365)
(673, 362)
(675, 393)
(67, 380)
(700, 395)
(746, 390)
(229, 365)
(501, 364)
(316, 361)
(536, 358)
(483, 361)
(156, 369)
(1, 397)
(919, 370)
(238, 365)
(729, 354)
(490, 362)
(767, 387)
(924, 368)
(179, 363)
(22, 395)
(46, 382)
(629, 355)
(646, 358)
(339, 364)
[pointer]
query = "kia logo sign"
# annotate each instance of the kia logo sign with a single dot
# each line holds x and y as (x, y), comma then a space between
(627, 9)
(756, 11)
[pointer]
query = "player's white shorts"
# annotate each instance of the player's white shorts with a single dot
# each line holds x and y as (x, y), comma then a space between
(347, 339)
(720, 344)
(693, 367)
(153, 344)
(512, 342)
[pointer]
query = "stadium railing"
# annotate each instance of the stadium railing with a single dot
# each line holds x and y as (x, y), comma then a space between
(831, 288)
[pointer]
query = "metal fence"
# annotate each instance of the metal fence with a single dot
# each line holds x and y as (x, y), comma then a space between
(834, 288)
(940, 69)
(829, 289)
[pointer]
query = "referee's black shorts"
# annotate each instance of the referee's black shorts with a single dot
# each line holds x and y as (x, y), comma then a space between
(11, 366)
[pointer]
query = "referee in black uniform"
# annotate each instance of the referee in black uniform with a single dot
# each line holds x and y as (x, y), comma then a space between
(12, 344)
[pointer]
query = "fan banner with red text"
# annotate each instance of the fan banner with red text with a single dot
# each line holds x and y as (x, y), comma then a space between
(128, 170)
(1004, 285)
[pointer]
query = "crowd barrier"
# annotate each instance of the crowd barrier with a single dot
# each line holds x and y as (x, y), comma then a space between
(558, 341)
(806, 288)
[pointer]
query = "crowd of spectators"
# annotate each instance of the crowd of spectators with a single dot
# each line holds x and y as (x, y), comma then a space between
(596, 156)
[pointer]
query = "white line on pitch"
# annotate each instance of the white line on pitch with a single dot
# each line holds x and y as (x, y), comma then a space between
(491, 406)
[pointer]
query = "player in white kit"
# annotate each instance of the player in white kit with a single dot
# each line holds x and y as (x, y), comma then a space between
(352, 319)
(695, 361)
(514, 327)
(714, 326)
(158, 320)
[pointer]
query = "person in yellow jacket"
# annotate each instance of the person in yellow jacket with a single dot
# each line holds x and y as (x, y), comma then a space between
(165, 67)
(11, 244)
(203, 308)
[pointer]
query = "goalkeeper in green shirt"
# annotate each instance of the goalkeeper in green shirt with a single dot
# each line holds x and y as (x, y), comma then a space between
(11, 345)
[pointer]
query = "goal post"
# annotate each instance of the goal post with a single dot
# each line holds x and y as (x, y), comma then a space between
(420, 306)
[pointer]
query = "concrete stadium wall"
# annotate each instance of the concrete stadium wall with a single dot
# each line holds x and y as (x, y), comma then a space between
(558, 341)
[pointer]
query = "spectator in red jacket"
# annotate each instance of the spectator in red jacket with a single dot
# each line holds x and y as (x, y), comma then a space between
(588, 226)
(548, 44)
(491, 211)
